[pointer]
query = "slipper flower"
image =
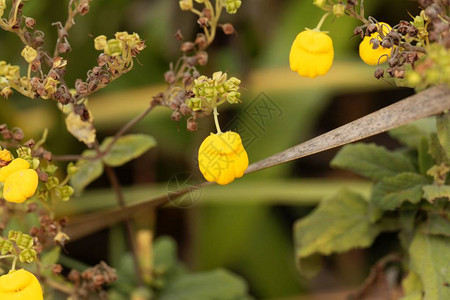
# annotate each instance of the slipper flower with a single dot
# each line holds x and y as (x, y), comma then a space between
(20, 182)
(20, 285)
(375, 56)
(311, 53)
(222, 157)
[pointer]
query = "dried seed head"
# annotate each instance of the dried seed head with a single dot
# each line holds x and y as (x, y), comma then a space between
(228, 28)
(30, 22)
(202, 58)
(170, 77)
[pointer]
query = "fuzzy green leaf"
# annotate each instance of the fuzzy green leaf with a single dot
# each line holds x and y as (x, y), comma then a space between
(436, 151)
(430, 259)
(88, 171)
(391, 192)
(127, 148)
(372, 161)
(443, 132)
(338, 224)
(437, 225)
(409, 135)
(426, 161)
(217, 284)
(433, 192)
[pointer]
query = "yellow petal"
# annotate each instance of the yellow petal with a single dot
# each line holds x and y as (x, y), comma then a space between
(20, 285)
(15, 165)
(311, 53)
(222, 157)
(20, 185)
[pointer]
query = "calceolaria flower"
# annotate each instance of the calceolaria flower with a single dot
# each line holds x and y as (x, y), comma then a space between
(5, 157)
(20, 182)
(374, 53)
(20, 285)
(222, 157)
(311, 53)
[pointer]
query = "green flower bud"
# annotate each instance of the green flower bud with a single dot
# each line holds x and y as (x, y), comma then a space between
(28, 256)
(320, 3)
(52, 182)
(66, 192)
(71, 169)
(114, 47)
(413, 78)
(51, 85)
(418, 22)
(195, 104)
(6, 247)
(233, 97)
(186, 4)
(13, 235)
(232, 6)
(339, 10)
(24, 241)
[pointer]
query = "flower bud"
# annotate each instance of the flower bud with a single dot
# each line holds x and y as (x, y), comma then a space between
(6, 92)
(29, 54)
(186, 4)
(100, 42)
(6, 247)
(339, 10)
(66, 192)
(232, 6)
(320, 3)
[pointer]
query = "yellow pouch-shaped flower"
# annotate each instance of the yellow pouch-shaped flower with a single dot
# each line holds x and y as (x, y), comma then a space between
(374, 56)
(311, 53)
(222, 157)
(20, 185)
(20, 285)
(15, 165)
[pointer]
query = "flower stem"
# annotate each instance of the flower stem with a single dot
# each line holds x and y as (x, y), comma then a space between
(321, 21)
(216, 120)
(13, 266)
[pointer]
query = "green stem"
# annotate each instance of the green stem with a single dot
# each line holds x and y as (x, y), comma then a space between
(216, 120)
(321, 21)
(13, 266)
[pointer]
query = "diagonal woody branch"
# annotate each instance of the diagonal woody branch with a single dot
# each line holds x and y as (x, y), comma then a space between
(427, 103)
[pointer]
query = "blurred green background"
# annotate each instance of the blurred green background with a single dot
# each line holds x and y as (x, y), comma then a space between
(246, 226)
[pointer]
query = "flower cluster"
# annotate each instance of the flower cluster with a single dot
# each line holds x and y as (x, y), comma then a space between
(212, 92)
(416, 51)
(222, 157)
(20, 284)
(10, 77)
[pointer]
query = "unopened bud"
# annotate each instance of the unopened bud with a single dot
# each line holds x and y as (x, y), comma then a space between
(186, 4)
(339, 10)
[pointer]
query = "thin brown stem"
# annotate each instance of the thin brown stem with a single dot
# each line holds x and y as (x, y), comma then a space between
(114, 181)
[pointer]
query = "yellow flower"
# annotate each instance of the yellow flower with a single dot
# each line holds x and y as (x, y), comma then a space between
(374, 56)
(20, 181)
(312, 53)
(222, 157)
(5, 155)
(20, 285)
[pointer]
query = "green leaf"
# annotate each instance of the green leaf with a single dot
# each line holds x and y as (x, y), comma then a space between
(127, 148)
(443, 132)
(372, 161)
(430, 259)
(437, 225)
(391, 192)
(338, 224)
(433, 192)
(412, 287)
(48, 259)
(426, 161)
(165, 254)
(88, 171)
(436, 151)
(409, 135)
(217, 284)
